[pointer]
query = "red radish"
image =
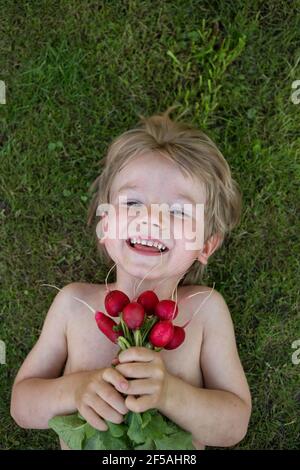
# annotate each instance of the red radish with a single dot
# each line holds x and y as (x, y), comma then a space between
(161, 333)
(148, 300)
(133, 315)
(115, 301)
(106, 324)
(178, 338)
(166, 310)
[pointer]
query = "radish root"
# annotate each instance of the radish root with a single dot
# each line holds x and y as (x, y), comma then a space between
(76, 298)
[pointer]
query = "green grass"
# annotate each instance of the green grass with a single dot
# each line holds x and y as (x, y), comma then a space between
(77, 74)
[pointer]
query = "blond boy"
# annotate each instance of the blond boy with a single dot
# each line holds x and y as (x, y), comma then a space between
(201, 386)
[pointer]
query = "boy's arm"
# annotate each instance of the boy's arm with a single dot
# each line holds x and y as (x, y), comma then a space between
(38, 392)
(219, 414)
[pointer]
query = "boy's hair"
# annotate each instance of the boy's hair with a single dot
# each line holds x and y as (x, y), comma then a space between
(195, 153)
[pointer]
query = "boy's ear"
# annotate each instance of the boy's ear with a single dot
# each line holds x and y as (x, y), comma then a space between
(209, 247)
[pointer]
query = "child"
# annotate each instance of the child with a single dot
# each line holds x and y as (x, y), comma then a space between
(201, 386)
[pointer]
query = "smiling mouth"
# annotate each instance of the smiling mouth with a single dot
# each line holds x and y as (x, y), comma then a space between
(145, 249)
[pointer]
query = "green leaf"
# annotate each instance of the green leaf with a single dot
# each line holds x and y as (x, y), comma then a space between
(89, 431)
(156, 428)
(147, 430)
(81, 417)
(70, 428)
(94, 443)
(172, 427)
(148, 445)
(180, 440)
(152, 430)
(149, 425)
(146, 418)
(135, 431)
(103, 440)
(116, 430)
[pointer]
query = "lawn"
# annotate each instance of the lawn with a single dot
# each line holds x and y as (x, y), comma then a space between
(77, 74)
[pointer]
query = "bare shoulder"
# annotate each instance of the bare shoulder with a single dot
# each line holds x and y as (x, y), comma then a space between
(85, 288)
(65, 302)
(210, 304)
(80, 287)
(69, 291)
(59, 309)
(75, 292)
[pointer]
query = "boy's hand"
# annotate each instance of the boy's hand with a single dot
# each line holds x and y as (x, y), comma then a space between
(98, 397)
(148, 367)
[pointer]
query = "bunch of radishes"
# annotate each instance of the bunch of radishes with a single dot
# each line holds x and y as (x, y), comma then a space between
(146, 322)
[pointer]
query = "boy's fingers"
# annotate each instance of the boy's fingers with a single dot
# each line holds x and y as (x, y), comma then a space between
(139, 405)
(114, 377)
(113, 398)
(104, 409)
(137, 354)
(93, 419)
(142, 387)
(136, 370)
(110, 394)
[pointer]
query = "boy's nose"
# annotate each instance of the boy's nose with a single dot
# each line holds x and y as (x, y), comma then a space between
(153, 223)
(153, 216)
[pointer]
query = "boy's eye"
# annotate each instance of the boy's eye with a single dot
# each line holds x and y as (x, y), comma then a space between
(178, 211)
(130, 203)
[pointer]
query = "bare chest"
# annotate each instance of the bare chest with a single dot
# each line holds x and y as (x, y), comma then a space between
(89, 349)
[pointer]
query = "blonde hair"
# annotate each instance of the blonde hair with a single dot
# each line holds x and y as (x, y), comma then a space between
(194, 152)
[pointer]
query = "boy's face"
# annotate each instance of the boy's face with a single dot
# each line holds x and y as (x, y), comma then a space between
(152, 198)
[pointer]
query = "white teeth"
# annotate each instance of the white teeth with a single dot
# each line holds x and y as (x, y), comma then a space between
(160, 246)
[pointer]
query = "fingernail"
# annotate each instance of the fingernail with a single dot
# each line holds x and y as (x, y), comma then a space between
(124, 385)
